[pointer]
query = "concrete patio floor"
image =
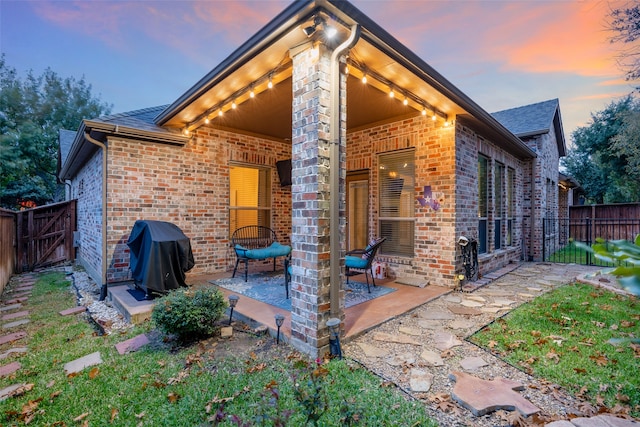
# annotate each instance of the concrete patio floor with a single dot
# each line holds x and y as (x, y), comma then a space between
(359, 318)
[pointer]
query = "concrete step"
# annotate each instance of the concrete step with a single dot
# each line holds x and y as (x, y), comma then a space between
(134, 311)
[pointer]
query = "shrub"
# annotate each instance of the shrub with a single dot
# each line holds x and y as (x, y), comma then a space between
(189, 314)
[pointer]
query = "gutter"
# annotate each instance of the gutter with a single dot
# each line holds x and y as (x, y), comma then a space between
(103, 288)
(334, 170)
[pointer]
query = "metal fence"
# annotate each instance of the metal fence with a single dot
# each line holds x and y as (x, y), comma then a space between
(560, 235)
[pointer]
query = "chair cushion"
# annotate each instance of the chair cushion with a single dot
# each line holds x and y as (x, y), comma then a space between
(275, 250)
(355, 262)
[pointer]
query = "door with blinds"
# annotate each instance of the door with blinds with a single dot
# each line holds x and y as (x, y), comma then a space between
(357, 209)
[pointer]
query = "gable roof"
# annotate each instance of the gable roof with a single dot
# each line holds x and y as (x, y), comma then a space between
(267, 53)
(65, 140)
(534, 119)
(137, 124)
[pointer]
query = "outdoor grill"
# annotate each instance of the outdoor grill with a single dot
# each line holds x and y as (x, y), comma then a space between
(160, 255)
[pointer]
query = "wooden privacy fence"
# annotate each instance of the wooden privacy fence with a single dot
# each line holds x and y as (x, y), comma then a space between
(7, 246)
(609, 222)
(586, 224)
(45, 235)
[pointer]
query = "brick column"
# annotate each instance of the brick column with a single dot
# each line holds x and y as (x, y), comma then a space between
(310, 240)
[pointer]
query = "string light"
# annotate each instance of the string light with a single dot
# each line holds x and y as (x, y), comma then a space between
(232, 100)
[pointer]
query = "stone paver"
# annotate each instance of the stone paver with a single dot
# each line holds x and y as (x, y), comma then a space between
(16, 300)
(420, 381)
(78, 365)
(399, 339)
(482, 396)
(10, 307)
(14, 350)
(432, 358)
(472, 363)
(7, 392)
(373, 351)
(402, 359)
(562, 423)
(15, 315)
(74, 310)
(12, 337)
(132, 344)
(15, 324)
(603, 421)
(464, 311)
(9, 369)
(445, 341)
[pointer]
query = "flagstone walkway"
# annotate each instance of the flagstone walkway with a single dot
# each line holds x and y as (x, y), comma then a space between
(423, 352)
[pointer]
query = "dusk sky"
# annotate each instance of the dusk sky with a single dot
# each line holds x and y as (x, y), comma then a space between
(503, 54)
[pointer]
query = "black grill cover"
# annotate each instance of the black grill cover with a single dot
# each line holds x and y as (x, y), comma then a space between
(160, 254)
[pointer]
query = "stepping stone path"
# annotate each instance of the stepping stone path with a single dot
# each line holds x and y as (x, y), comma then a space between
(13, 316)
(482, 396)
(419, 350)
(15, 294)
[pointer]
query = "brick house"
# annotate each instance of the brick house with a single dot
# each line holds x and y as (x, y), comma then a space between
(380, 145)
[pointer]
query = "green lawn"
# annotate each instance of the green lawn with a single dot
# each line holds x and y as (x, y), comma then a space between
(580, 337)
(164, 386)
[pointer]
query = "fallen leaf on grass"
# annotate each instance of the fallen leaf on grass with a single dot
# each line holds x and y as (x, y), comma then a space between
(623, 398)
(552, 355)
(173, 397)
(178, 378)
(114, 414)
(81, 416)
(21, 390)
(216, 399)
(588, 409)
(94, 373)
(140, 415)
(580, 370)
(600, 360)
(257, 368)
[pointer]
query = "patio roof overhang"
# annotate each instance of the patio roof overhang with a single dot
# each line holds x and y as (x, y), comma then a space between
(388, 64)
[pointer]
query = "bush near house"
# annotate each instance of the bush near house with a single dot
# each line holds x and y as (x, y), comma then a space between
(189, 314)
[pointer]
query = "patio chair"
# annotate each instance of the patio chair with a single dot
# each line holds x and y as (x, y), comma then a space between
(256, 242)
(362, 259)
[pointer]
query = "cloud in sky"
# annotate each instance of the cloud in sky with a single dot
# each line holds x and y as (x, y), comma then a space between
(501, 53)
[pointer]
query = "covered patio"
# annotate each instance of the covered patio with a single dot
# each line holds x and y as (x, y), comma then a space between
(358, 319)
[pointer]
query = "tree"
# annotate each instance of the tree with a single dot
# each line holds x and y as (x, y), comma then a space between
(32, 110)
(605, 155)
(625, 22)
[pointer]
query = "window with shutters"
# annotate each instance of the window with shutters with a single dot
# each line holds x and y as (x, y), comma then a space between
(396, 180)
(511, 204)
(250, 196)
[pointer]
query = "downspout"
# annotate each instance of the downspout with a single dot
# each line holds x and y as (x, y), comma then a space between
(334, 169)
(103, 288)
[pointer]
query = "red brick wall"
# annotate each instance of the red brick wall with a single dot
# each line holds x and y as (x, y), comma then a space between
(450, 168)
(188, 186)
